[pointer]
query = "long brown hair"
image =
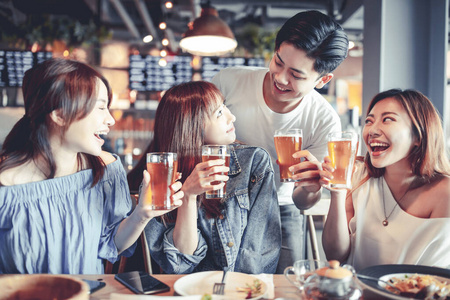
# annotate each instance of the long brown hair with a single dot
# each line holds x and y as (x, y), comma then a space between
(179, 127)
(56, 84)
(429, 158)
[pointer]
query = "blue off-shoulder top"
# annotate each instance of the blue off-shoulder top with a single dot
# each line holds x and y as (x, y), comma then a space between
(63, 225)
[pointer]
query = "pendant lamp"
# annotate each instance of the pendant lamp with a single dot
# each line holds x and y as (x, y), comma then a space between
(208, 35)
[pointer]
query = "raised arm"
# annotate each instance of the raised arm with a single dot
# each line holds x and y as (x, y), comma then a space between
(336, 236)
(199, 181)
(130, 228)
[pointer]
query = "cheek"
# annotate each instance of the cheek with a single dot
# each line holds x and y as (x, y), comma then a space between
(365, 134)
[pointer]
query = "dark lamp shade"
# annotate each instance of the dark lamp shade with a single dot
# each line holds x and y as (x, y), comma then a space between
(208, 35)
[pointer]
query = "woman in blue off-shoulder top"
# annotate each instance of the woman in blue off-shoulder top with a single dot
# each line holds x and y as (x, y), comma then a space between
(64, 203)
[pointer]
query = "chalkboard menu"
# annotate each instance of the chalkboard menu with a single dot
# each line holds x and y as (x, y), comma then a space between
(212, 65)
(13, 65)
(146, 73)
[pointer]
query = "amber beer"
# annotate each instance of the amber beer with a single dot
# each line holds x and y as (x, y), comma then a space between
(212, 152)
(342, 147)
(287, 142)
(162, 167)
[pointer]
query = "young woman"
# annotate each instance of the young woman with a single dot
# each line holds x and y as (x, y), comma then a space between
(65, 204)
(242, 231)
(399, 209)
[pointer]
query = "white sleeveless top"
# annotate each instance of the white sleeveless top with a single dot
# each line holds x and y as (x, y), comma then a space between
(406, 240)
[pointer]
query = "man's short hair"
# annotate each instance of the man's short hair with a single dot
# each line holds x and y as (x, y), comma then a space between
(322, 38)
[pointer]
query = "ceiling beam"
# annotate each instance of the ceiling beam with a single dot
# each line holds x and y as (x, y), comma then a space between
(351, 6)
(126, 19)
(143, 12)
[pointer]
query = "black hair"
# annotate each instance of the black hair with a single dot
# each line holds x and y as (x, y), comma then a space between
(322, 38)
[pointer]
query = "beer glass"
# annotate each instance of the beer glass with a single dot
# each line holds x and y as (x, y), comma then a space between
(162, 167)
(342, 147)
(287, 142)
(212, 152)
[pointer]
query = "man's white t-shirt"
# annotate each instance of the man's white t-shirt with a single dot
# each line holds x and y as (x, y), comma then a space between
(256, 122)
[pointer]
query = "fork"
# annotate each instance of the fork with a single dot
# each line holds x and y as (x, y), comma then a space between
(219, 288)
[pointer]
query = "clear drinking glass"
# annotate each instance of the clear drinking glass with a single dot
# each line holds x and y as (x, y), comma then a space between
(162, 167)
(342, 147)
(301, 270)
(287, 142)
(212, 152)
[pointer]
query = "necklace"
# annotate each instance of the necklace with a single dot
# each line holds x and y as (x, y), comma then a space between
(385, 221)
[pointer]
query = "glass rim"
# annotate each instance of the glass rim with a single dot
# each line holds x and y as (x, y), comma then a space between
(215, 146)
(162, 154)
(341, 134)
(288, 132)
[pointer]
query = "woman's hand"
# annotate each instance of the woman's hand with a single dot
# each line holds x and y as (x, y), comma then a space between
(326, 176)
(145, 191)
(203, 175)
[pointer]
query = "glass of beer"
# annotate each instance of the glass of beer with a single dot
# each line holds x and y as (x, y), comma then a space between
(162, 167)
(287, 142)
(212, 152)
(342, 147)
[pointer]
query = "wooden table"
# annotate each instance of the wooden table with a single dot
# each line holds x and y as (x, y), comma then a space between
(283, 289)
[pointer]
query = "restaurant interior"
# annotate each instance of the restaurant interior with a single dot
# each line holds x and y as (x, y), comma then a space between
(138, 46)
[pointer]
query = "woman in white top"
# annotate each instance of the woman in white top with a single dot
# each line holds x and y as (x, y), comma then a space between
(398, 211)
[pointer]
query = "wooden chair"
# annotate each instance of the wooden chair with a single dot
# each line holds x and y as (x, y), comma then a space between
(320, 209)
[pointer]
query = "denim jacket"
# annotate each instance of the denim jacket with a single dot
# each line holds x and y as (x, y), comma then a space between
(246, 236)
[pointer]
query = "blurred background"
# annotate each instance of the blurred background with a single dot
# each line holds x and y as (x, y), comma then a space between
(138, 46)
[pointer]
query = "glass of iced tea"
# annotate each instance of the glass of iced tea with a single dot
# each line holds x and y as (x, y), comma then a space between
(162, 167)
(342, 147)
(287, 142)
(212, 152)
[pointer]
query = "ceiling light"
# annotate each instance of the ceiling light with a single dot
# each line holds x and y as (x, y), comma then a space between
(165, 42)
(208, 35)
(168, 4)
(162, 25)
(147, 38)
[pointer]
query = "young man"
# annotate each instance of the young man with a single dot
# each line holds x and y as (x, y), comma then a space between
(308, 47)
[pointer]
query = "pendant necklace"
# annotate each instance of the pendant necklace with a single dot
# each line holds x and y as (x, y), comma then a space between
(385, 221)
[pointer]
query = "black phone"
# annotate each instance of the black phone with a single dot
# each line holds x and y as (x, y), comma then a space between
(94, 285)
(141, 282)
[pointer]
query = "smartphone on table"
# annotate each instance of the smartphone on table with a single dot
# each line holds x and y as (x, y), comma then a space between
(141, 282)
(94, 285)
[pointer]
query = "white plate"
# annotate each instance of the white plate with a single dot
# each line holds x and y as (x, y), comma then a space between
(385, 272)
(202, 283)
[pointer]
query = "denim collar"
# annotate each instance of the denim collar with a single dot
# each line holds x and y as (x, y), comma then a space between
(235, 167)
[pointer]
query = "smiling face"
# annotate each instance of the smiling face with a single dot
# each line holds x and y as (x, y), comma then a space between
(388, 134)
(219, 128)
(84, 135)
(291, 76)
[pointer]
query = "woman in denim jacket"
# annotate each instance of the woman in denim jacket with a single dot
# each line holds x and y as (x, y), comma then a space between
(241, 231)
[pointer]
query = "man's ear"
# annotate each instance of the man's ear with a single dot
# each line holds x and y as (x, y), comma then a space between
(324, 80)
(56, 117)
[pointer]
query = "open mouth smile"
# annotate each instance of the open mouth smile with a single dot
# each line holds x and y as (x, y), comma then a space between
(377, 148)
(280, 88)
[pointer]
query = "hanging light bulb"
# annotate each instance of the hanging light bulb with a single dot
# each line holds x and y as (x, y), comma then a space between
(169, 4)
(147, 38)
(208, 35)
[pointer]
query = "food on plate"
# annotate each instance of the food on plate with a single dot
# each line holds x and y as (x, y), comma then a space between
(206, 297)
(251, 290)
(420, 286)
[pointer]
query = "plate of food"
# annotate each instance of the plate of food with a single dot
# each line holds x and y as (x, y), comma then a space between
(410, 281)
(237, 285)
